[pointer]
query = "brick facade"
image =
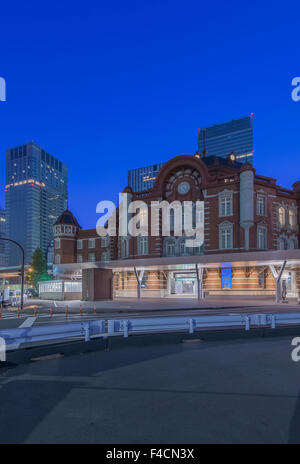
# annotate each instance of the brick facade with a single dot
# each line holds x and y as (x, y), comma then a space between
(256, 213)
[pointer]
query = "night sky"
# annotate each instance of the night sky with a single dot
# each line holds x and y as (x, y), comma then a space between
(110, 86)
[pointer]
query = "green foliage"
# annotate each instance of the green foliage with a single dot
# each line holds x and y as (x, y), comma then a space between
(38, 269)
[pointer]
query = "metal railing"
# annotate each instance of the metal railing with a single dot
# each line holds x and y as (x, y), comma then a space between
(15, 337)
(125, 327)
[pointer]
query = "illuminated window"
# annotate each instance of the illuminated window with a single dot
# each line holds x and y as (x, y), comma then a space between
(73, 287)
(281, 216)
(292, 217)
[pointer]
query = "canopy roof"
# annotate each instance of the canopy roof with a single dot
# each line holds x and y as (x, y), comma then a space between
(243, 259)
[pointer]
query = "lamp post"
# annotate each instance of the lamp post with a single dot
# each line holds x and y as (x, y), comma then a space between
(22, 269)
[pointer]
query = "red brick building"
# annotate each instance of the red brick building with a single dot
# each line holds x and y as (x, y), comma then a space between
(251, 225)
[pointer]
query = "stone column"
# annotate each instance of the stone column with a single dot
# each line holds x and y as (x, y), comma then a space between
(247, 202)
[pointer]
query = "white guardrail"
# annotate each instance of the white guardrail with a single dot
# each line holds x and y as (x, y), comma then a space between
(113, 327)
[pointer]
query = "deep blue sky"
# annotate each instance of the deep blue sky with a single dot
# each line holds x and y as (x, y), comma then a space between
(109, 86)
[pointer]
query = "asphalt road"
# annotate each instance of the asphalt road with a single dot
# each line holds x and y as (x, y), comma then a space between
(211, 392)
(39, 310)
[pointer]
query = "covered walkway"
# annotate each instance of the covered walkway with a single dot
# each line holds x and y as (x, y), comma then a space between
(279, 272)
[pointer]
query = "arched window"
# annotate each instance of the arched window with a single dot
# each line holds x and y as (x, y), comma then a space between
(292, 217)
(281, 216)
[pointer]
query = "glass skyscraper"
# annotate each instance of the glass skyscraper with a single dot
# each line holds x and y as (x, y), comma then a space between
(234, 136)
(2, 235)
(143, 178)
(36, 193)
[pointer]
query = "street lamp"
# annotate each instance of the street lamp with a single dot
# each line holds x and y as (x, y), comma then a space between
(22, 270)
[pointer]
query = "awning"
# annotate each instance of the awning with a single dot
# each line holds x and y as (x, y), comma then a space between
(243, 259)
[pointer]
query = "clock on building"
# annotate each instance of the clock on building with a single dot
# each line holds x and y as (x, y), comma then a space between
(183, 187)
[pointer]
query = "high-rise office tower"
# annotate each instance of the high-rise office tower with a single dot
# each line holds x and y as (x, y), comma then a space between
(2, 235)
(143, 178)
(36, 193)
(222, 139)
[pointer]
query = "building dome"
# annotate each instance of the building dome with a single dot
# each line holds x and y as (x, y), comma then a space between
(67, 218)
(127, 189)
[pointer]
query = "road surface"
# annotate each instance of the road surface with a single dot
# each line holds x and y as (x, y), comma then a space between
(212, 392)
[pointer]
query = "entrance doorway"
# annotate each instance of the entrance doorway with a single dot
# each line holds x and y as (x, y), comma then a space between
(184, 284)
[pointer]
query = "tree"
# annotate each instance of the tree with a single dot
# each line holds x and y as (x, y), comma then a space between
(38, 269)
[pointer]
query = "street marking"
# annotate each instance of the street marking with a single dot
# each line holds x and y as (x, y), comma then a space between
(28, 322)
